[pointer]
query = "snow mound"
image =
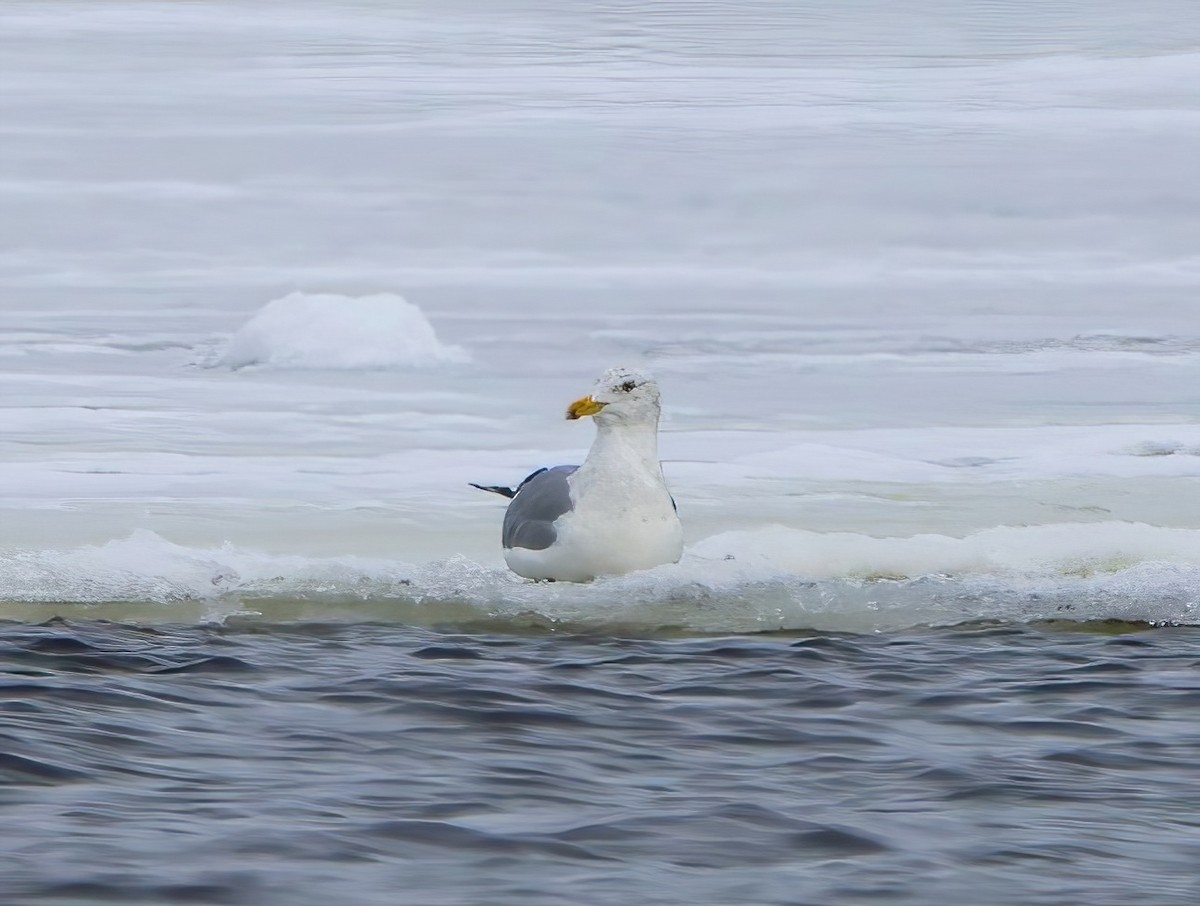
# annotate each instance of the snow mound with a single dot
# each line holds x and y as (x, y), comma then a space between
(326, 330)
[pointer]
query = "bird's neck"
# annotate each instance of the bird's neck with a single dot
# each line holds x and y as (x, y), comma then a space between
(633, 444)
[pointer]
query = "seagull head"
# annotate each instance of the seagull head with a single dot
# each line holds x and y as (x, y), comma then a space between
(622, 396)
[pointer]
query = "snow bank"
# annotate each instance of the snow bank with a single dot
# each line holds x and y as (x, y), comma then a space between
(306, 330)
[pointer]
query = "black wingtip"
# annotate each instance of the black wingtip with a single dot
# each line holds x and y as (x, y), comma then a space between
(495, 489)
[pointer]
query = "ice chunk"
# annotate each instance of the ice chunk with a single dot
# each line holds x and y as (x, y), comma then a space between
(325, 330)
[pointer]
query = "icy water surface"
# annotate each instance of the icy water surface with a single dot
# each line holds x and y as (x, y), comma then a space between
(376, 764)
(920, 287)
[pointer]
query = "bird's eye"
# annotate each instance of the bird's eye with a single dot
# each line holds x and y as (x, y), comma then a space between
(628, 385)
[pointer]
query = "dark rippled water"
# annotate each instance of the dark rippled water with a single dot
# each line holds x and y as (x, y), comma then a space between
(363, 764)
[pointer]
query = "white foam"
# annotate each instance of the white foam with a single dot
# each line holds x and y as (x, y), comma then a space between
(325, 330)
(735, 582)
(148, 568)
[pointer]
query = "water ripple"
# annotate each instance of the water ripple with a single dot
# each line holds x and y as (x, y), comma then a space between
(301, 762)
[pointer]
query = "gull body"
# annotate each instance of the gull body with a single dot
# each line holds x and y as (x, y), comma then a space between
(613, 514)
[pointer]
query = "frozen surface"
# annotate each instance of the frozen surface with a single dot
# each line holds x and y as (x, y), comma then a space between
(920, 287)
(324, 331)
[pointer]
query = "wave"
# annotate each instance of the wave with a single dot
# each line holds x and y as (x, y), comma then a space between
(764, 580)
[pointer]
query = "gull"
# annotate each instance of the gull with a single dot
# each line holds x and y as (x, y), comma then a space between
(610, 516)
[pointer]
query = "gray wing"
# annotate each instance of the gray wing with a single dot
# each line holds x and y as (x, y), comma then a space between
(540, 499)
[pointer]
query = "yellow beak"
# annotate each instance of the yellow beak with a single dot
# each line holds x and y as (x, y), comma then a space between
(582, 407)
